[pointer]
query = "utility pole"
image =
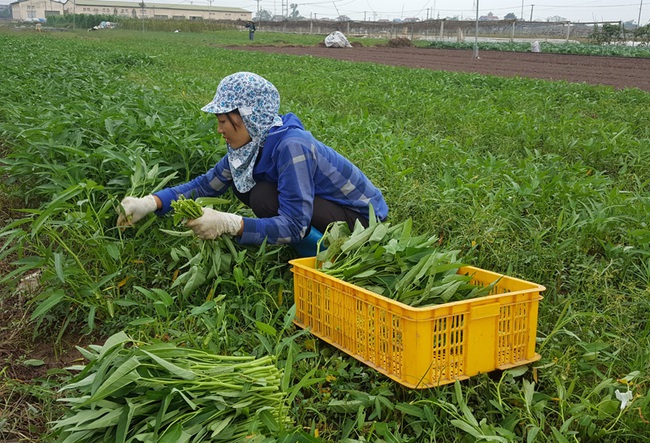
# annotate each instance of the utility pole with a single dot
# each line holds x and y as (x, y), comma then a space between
(258, 9)
(521, 16)
(338, 14)
(476, 34)
(638, 22)
(142, 15)
(531, 12)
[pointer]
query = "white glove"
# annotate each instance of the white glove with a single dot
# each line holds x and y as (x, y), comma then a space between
(133, 209)
(213, 224)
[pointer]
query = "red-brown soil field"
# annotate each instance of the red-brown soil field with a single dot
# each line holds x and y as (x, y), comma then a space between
(619, 72)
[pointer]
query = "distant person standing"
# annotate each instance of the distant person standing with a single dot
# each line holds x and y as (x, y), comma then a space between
(251, 30)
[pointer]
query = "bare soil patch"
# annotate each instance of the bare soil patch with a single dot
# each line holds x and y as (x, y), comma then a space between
(619, 72)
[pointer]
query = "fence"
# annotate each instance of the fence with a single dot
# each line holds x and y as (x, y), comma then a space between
(438, 29)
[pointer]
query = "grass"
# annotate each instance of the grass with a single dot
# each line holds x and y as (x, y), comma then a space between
(221, 34)
(541, 180)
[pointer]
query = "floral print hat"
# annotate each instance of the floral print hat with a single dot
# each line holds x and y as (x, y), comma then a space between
(258, 103)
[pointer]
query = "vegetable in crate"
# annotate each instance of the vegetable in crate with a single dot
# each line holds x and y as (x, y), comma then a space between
(386, 259)
(132, 391)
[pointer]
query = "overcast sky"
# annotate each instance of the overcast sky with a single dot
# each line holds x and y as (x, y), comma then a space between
(574, 10)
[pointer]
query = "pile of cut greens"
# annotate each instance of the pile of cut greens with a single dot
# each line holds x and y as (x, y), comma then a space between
(387, 260)
(162, 392)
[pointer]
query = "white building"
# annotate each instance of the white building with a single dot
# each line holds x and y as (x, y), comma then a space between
(29, 10)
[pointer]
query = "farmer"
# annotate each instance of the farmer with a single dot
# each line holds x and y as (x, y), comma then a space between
(295, 185)
(251, 30)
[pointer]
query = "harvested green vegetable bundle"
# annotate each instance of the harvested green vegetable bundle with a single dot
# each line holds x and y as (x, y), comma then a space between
(186, 209)
(388, 261)
(214, 258)
(165, 393)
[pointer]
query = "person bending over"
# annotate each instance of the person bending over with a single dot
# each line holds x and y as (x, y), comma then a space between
(295, 185)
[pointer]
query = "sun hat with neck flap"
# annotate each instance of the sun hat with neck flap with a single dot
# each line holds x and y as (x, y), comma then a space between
(251, 94)
(258, 103)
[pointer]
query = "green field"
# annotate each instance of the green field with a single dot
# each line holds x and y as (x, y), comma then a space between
(545, 181)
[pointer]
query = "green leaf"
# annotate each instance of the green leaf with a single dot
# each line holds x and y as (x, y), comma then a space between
(205, 307)
(288, 369)
(79, 418)
(33, 362)
(189, 402)
(113, 341)
(196, 278)
(467, 413)
(86, 381)
(559, 438)
(269, 421)
(163, 296)
(218, 426)
(529, 392)
(289, 317)
(298, 437)
(58, 266)
(531, 435)
(175, 434)
(212, 201)
(112, 250)
(54, 299)
(90, 318)
(517, 371)
(109, 419)
(479, 436)
(121, 377)
(124, 423)
(172, 368)
(306, 380)
(266, 329)
(409, 409)
(345, 406)
(142, 321)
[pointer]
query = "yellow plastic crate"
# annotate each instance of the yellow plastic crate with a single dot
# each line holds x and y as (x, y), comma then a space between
(426, 346)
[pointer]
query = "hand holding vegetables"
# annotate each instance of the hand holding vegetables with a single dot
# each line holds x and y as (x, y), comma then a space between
(133, 209)
(213, 224)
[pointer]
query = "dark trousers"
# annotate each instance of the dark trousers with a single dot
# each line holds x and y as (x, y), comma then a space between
(263, 200)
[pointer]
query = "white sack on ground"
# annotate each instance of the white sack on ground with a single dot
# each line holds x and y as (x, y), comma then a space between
(337, 40)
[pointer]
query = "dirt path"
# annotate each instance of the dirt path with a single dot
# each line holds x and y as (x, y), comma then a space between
(618, 72)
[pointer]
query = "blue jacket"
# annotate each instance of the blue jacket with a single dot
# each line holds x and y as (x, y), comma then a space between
(302, 167)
